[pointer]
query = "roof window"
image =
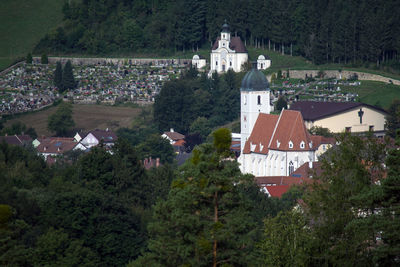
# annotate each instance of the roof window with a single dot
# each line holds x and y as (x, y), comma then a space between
(290, 144)
(302, 144)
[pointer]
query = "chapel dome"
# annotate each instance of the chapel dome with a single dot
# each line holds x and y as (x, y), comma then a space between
(254, 80)
(225, 27)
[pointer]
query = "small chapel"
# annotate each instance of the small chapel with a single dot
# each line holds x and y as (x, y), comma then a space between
(228, 52)
(271, 145)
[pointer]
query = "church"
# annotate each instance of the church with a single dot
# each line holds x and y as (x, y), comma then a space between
(227, 52)
(271, 145)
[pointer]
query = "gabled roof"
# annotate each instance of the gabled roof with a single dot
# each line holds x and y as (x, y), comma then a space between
(180, 142)
(313, 110)
(235, 44)
(304, 171)
(174, 135)
(106, 136)
(275, 132)
(16, 139)
(277, 190)
(318, 140)
(56, 145)
(290, 128)
(261, 134)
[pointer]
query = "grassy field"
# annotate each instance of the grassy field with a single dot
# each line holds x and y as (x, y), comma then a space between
(375, 93)
(86, 117)
(23, 23)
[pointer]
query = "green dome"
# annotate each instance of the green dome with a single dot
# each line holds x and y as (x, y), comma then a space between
(254, 80)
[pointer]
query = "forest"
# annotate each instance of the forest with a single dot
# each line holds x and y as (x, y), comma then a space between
(103, 209)
(360, 32)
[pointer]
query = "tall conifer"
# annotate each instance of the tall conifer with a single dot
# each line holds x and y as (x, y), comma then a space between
(58, 77)
(68, 80)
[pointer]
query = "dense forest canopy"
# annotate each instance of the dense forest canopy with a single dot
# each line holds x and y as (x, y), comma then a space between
(323, 31)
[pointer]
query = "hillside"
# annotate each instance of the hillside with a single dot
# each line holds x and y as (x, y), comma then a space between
(23, 23)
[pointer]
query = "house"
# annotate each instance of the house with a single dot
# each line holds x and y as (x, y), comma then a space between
(93, 138)
(56, 146)
(173, 137)
(19, 140)
(198, 62)
(263, 62)
(339, 117)
(227, 52)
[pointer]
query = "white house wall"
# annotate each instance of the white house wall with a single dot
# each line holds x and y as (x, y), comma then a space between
(90, 140)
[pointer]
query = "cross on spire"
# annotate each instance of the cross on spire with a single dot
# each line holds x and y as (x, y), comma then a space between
(360, 114)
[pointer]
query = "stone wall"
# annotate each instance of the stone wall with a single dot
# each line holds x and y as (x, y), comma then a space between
(116, 61)
(301, 74)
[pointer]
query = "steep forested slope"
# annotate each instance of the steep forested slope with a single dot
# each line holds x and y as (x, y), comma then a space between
(322, 31)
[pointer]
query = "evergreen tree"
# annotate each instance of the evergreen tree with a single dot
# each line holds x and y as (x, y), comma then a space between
(393, 118)
(44, 59)
(206, 220)
(281, 103)
(28, 59)
(58, 77)
(68, 80)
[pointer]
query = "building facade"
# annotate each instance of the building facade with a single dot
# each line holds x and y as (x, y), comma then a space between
(227, 53)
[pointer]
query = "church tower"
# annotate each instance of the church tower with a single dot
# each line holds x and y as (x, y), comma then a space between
(254, 99)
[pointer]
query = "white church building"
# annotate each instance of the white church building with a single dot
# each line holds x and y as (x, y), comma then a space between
(227, 52)
(271, 145)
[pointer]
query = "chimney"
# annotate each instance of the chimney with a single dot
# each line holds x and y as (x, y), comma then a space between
(157, 162)
(310, 164)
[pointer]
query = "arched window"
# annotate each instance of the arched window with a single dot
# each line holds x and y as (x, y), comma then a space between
(291, 167)
(216, 63)
(259, 100)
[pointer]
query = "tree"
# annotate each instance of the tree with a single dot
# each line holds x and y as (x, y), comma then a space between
(28, 59)
(317, 130)
(340, 205)
(58, 77)
(44, 59)
(281, 103)
(156, 147)
(61, 121)
(201, 126)
(286, 240)
(393, 118)
(206, 220)
(68, 80)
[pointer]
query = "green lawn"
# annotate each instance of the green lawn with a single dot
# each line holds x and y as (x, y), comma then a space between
(375, 93)
(23, 23)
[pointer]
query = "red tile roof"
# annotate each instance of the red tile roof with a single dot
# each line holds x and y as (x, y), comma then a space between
(235, 44)
(290, 127)
(318, 140)
(179, 142)
(305, 171)
(277, 190)
(261, 134)
(273, 132)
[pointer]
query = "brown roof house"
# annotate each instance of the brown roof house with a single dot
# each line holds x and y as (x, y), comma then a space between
(173, 137)
(19, 140)
(56, 146)
(342, 116)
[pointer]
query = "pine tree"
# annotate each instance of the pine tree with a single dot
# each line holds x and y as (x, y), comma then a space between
(206, 220)
(58, 77)
(68, 80)
(28, 59)
(44, 59)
